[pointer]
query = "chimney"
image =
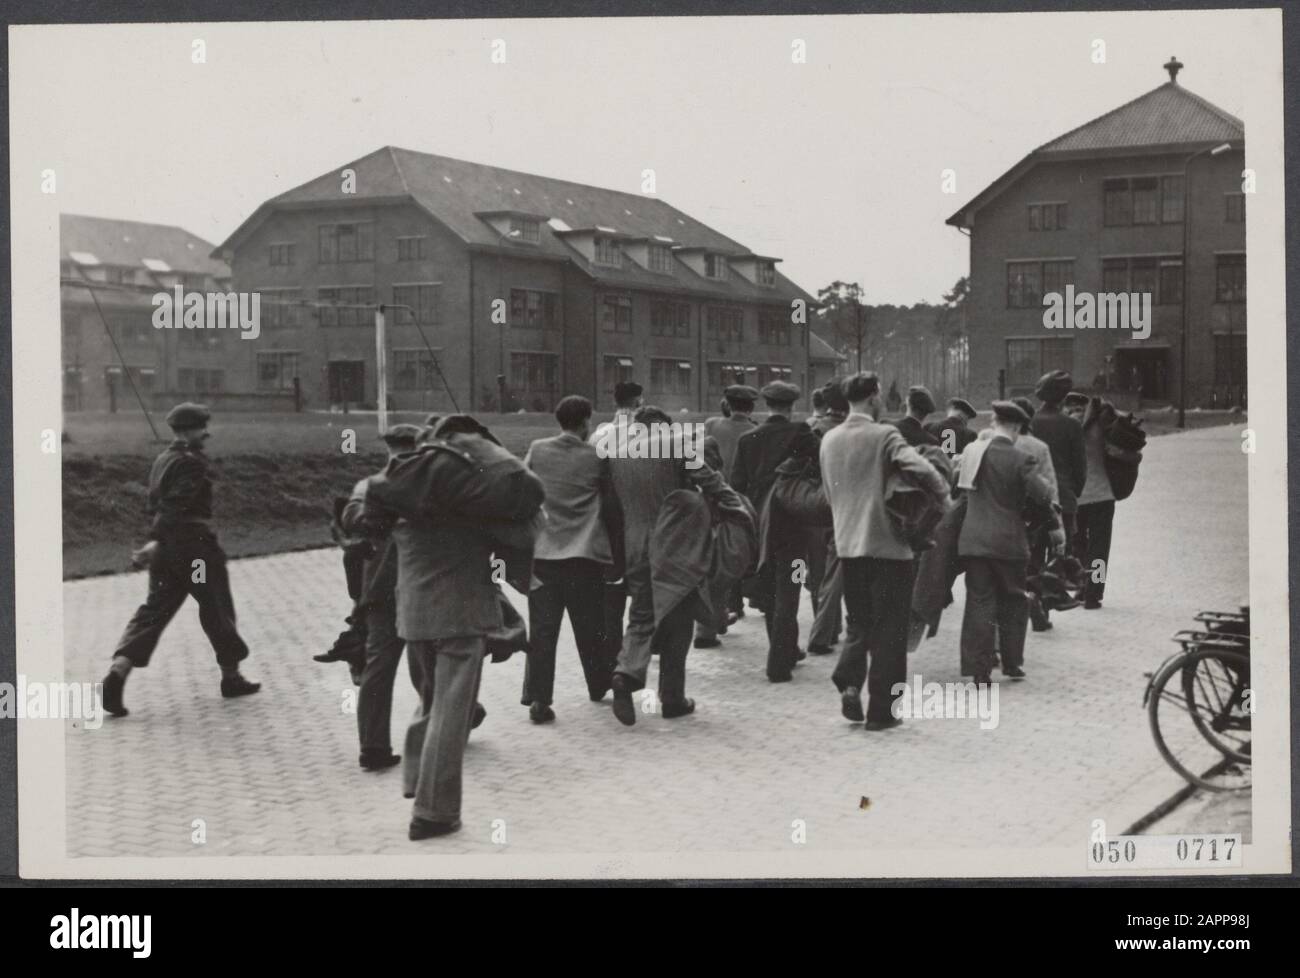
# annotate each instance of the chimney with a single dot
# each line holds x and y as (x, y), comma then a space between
(1173, 66)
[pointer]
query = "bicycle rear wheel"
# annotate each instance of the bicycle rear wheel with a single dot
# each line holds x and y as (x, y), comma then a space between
(1214, 681)
(1172, 736)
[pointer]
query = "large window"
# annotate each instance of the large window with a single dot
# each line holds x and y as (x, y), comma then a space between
(766, 273)
(715, 266)
(1029, 359)
(1161, 277)
(346, 306)
(412, 248)
(1029, 281)
(616, 313)
(774, 328)
(617, 369)
(725, 323)
(347, 243)
(275, 371)
(535, 373)
(1047, 217)
(768, 372)
(722, 374)
(200, 380)
(137, 329)
(424, 301)
(661, 258)
(1234, 208)
(1142, 200)
(670, 376)
(413, 370)
(530, 309)
(281, 308)
(525, 228)
(670, 318)
(282, 253)
(1229, 278)
(608, 252)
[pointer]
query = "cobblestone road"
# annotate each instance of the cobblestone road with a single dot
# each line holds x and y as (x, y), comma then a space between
(277, 773)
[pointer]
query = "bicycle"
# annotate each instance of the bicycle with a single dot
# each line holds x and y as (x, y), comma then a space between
(1212, 669)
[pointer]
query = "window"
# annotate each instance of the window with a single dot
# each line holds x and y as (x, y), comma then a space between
(670, 319)
(535, 372)
(715, 266)
(661, 258)
(525, 229)
(1029, 281)
(725, 323)
(1056, 276)
(723, 374)
(425, 303)
(1162, 278)
(773, 329)
(770, 372)
(1143, 276)
(616, 313)
(1029, 359)
(280, 308)
(766, 273)
(197, 380)
(1234, 208)
(617, 369)
(346, 243)
(346, 306)
(413, 370)
(282, 253)
(276, 370)
(670, 376)
(137, 329)
(1142, 200)
(608, 252)
(1230, 359)
(1171, 282)
(1229, 278)
(1047, 217)
(412, 249)
(530, 309)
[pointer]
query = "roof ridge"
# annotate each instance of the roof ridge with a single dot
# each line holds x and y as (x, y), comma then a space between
(398, 167)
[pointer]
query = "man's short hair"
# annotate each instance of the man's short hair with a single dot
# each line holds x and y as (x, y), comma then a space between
(860, 386)
(834, 396)
(818, 399)
(572, 411)
(651, 414)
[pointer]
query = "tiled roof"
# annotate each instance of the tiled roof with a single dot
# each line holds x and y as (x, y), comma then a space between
(1166, 116)
(457, 192)
(819, 349)
(129, 243)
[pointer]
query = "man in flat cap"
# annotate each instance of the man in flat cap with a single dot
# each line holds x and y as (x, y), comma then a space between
(1064, 438)
(758, 454)
(960, 414)
(627, 401)
(920, 404)
(998, 480)
(184, 559)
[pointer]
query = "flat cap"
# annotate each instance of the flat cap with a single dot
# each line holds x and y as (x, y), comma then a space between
(188, 415)
(625, 390)
(1010, 411)
(920, 399)
(1053, 386)
(740, 392)
(403, 434)
(781, 392)
(964, 406)
(1026, 405)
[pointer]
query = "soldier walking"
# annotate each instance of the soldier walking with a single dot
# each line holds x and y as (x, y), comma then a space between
(184, 559)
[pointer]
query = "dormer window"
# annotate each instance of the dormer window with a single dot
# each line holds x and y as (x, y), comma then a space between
(525, 229)
(661, 258)
(766, 273)
(608, 252)
(715, 266)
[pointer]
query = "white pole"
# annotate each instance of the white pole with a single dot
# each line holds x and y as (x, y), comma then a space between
(381, 369)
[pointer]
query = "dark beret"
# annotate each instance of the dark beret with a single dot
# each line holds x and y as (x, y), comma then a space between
(1053, 386)
(188, 415)
(1026, 405)
(964, 406)
(1010, 411)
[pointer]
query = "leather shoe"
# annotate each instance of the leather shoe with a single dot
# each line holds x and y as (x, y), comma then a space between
(815, 649)
(378, 760)
(799, 654)
(423, 828)
(1092, 604)
(983, 678)
(874, 725)
(540, 713)
(780, 677)
(671, 711)
(706, 643)
(480, 714)
(1013, 672)
(851, 704)
(237, 685)
(624, 708)
(111, 698)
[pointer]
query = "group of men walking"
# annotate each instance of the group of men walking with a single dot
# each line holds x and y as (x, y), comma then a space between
(643, 550)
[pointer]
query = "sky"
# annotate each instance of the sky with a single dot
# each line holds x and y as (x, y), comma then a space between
(834, 165)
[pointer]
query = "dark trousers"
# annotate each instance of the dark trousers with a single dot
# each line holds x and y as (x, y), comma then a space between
(830, 597)
(878, 603)
(782, 619)
(383, 653)
(1092, 543)
(997, 613)
(566, 585)
(173, 575)
(671, 639)
(615, 605)
(817, 566)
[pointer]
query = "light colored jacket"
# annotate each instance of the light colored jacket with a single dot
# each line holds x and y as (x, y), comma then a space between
(574, 475)
(727, 432)
(857, 458)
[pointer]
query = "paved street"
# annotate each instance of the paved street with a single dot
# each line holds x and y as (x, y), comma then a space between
(277, 774)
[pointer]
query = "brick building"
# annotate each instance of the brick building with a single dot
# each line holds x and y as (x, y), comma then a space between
(1144, 199)
(524, 288)
(127, 262)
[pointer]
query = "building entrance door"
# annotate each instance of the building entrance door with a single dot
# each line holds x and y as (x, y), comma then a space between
(347, 381)
(1143, 372)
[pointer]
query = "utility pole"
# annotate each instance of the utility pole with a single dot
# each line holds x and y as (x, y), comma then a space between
(381, 369)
